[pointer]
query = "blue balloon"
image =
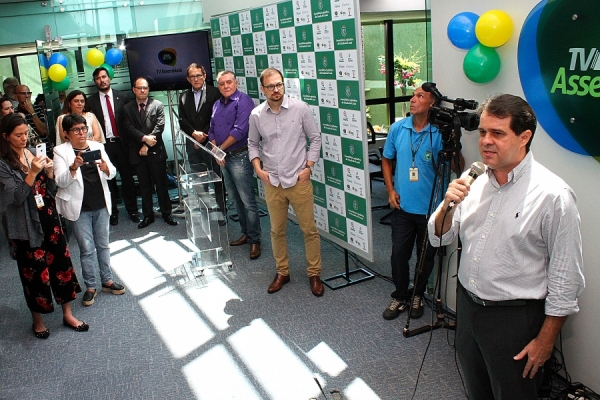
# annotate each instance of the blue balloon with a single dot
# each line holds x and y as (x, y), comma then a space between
(58, 58)
(113, 56)
(461, 30)
(43, 61)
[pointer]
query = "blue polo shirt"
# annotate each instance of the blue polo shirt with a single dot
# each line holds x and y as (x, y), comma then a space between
(414, 196)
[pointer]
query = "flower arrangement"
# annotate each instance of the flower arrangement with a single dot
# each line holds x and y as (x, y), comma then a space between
(405, 69)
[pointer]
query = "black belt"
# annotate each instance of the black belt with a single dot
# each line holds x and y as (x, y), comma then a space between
(112, 139)
(237, 151)
(489, 303)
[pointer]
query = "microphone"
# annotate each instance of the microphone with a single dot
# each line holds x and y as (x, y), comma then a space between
(432, 88)
(477, 168)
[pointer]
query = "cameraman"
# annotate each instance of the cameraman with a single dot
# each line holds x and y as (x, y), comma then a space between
(414, 144)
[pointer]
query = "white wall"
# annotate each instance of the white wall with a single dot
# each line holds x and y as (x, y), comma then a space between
(580, 336)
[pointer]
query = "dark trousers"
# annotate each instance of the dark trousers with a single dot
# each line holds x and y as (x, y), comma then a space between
(487, 339)
(119, 158)
(153, 175)
(202, 161)
(406, 229)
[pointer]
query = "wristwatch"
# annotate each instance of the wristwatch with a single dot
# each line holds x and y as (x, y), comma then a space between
(309, 167)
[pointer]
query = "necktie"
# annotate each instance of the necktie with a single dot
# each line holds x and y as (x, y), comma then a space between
(142, 110)
(111, 116)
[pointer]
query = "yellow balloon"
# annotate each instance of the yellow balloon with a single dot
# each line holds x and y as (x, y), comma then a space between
(95, 57)
(57, 72)
(494, 28)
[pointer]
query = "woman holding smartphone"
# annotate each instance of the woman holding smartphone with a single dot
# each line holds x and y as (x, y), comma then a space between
(75, 103)
(84, 198)
(43, 258)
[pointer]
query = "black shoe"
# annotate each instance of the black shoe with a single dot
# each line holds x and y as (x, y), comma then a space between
(134, 217)
(88, 298)
(114, 219)
(416, 311)
(81, 328)
(169, 220)
(114, 288)
(41, 335)
(145, 222)
(394, 309)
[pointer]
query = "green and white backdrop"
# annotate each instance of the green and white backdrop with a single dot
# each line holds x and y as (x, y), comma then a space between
(317, 46)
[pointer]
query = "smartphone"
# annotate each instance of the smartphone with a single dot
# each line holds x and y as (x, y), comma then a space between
(91, 156)
(40, 149)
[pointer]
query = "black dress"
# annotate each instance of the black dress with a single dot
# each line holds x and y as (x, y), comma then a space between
(46, 269)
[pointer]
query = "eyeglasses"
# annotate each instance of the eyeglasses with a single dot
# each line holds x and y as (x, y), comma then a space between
(26, 93)
(83, 129)
(141, 88)
(278, 85)
(195, 76)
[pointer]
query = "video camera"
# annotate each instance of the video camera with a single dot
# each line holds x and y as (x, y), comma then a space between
(449, 120)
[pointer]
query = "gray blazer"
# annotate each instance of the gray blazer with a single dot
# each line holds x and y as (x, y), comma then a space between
(17, 201)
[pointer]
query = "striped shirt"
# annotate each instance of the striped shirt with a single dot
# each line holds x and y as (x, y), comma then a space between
(520, 240)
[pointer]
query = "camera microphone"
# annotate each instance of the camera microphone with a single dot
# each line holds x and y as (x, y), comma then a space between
(477, 168)
(432, 88)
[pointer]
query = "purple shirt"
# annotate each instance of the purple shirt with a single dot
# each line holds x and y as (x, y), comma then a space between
(231, 118)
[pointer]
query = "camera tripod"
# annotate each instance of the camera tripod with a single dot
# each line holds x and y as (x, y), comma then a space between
(449, 155)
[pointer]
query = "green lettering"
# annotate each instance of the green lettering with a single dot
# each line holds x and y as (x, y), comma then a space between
(594, 86)
(583, 83)
(573, 83)
(559, 81)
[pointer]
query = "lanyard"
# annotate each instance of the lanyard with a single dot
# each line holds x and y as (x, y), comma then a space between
(412, 149)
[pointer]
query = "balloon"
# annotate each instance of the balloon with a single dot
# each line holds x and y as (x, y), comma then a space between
(94, 57)
(461, 30)
(109, 70)
(57, 72)
(58, 58)
(62, 85)
(113, 57)
(494, 28)
(481, 64)
(43, 61)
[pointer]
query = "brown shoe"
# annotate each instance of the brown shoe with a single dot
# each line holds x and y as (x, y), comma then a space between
(254, 251)
(278, 283)
(316, 286)
(242, 240)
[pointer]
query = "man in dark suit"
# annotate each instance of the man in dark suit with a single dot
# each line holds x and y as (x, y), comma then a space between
(195, 109)
(144, 125)
(104, 103)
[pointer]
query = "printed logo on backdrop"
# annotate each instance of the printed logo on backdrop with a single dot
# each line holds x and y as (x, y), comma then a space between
(321, 11)
(307, 92)
(247, 44)
(348, 95)
(257, 18)
(344, 35)
(215, 28)
(305, 36)
(352, 152)
(326, 66)
(290, 65)
(227, 49)
(286, 14)
(274, 45)
(336, 227)
(330, 120)
(234, 24)
(560, 72)
(358, 209)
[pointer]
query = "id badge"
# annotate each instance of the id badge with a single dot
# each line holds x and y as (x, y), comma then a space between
(413, 174)
(39, 201)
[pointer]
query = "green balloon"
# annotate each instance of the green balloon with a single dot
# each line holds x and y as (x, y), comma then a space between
(109, 69)
(481, 64)
(62, 85)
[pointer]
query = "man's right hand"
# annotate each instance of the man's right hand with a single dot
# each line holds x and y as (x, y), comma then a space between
(263, 175)
(394, 199)
(150, 140)
(458, 189)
